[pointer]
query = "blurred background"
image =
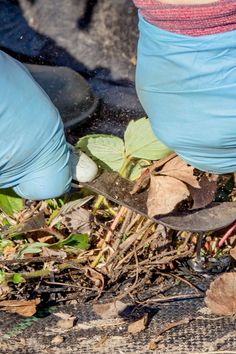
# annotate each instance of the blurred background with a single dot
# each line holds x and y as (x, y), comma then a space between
(96, 38)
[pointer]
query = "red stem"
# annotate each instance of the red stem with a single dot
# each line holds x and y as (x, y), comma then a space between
(227, 234)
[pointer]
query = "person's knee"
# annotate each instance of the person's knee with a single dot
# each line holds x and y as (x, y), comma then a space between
(47, 184)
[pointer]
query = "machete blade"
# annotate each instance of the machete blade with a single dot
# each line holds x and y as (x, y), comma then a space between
(117, 189)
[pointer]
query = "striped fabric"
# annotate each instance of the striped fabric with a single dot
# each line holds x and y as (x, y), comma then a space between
(190, 17)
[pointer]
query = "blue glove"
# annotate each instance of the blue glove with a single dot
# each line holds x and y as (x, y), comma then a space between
(187, 86)
(34, 156)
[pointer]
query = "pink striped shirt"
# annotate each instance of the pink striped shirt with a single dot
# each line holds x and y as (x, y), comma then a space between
(192, 20)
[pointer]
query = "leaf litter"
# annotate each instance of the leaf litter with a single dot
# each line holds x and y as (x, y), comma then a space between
(83, 244)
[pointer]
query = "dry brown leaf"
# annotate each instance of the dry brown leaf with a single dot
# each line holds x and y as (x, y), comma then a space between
(165, 194)
(4, 291)
(78, 220)
(179, 169)
(221, 296)
(205, 195)
(233, 252)
(25, 308)
(109, 310)
(139, 325)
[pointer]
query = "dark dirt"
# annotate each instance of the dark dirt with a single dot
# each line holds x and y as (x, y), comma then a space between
(95, 38)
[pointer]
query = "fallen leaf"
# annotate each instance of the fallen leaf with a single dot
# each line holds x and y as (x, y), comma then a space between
(205, 195)
(78, 220)
(233, 252)
(57, 340)
(180, 170)
(145, 177)
(139, 325)
(4, 291)
(221, 296)
(25, 308)
(165, 194)
(67, 208)
(109, 310)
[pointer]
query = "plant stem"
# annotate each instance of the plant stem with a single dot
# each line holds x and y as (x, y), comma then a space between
(123, 170)
(100, 199)
(108, 236)
(227, 234)
(109, 208)
(54, 232)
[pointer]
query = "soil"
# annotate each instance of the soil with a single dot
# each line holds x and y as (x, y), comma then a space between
(95, 38)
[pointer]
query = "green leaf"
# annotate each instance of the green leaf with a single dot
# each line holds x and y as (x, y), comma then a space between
(136, 170)
(82, 144)
(10, 202)
(107, 149)
(140, 141)
(2, 277)
(80, 241)
(17, 279)
(35, 247)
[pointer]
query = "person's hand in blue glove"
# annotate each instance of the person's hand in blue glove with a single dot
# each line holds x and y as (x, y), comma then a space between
(35, 158)
(186, 78)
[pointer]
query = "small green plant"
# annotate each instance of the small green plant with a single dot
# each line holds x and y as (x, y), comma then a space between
(10, 202)
(128, 156)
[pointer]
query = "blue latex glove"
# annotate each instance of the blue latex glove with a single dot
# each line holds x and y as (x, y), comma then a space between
(34, 156)
(187, 86)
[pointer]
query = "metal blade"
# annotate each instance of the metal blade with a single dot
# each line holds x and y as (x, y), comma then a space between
(117, 189)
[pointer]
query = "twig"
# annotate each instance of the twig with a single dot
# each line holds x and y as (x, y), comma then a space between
(126, 244)
(227, 234)
(183, 280)
(169, 326)
(132, 287)
(119, 235)
(172, 298)
(68, 285)
(101, 341)
(53, 232)
(108, 236)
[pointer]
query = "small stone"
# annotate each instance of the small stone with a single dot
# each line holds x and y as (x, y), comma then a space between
(66, 324)
(57, 340)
